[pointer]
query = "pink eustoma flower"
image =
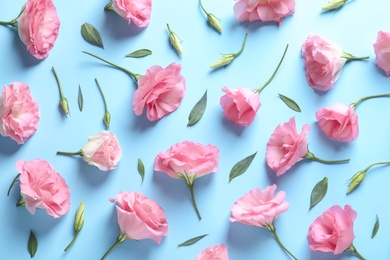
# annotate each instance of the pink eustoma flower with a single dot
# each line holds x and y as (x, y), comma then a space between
(264, 10)
(339, 122)
(240, 105)
(286, 146)
(42, 187)
(160, 91)
(19, 112)
(382, 51)
(136, 11)
(217, 252)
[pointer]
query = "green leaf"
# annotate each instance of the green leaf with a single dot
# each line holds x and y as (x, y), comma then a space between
(192, 241)
(139, 53)
(318, 192)
(12, 184)
(376, 227)
(290, 103)
(91, 35)
(32, 244)
(198, 110)
(141, 169)
(240, 167)
(80, 99)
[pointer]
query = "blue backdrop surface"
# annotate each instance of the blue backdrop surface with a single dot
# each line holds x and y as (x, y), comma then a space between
(354, 28)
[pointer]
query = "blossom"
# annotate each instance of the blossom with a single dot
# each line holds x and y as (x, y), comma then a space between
(41, 186)
(160, 91)
(136, 11)
(19, 112)
(339, 122)
(264, 10)
(217, 252)
(382, 51)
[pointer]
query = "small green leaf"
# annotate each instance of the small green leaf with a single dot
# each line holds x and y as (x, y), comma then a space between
(240, 167)
(32, 244)
(141, 169)
(139, 53)
(318, 192)
(91, 35)
(290, 103)
(198, 110)
(376, 227)
(12, 184)
(192, 241)
(80, 99)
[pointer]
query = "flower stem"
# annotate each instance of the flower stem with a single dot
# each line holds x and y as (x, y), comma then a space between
(311, 156)
(135, 76)
(354, 105)
(107, 115)
(273, 74)
(13, 23)
(271, 228)
(353, 250)
(350, 57)
(70, 153)
(72, 242)
(377, 163)
(242, 47)
(58, 83)
(12, 184)
(204, 10)
(121, 238)
(190, 180)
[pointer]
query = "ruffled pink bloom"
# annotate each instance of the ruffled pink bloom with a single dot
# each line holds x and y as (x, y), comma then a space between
(103, 151)
(217, 252)
(382, 51)
(240, 105)
(19, 115)
(140, 217)
(188, 158)
(42, 187)
(264, 10)
(323, 62)
(259, 207)
(286, 147)
(136, 11)
(339, 122)
(38, 27)
(160, 91)
(333, 230)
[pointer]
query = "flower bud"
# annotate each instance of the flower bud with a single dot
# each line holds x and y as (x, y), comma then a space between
(64, 105)
(335, 4)
(175, 41)
(214, 21)
(356, 180)
(79, 218)
(226, 59)
(107, 119)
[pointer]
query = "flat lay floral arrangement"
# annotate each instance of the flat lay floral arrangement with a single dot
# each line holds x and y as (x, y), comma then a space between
(136, 129)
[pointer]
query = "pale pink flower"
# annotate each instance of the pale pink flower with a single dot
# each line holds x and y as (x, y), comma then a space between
(240, 105)
(286, 147)
(160, 91)
(339, 122)
(382, 51)
(333, 230)
(19, 115)
(259, 207)
(42, 187)
(217, 252)
(38, 27)
(264, 10)
(136, 11)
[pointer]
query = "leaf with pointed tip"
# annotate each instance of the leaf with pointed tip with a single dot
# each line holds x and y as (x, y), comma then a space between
(192, 241)
(141, 169)
(139, 53)
(290, 103)
(32, 244)
(376, 227)
(80, 99)
(240, 167)
(91, 35)
(318, 192)
(198, 110)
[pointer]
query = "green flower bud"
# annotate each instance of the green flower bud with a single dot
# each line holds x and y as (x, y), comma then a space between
(226, 59)
(356, 180)
(107, 119)
(79, 218)
(64, 105)
(214, 21)
(175, 41)
(335, 4)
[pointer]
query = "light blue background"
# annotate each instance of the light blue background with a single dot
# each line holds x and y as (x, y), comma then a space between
(354, 28)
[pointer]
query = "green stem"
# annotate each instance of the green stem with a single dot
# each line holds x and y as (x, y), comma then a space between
(190, 184)
(58, 83)
(353, 250)
(107, 115)
(354, 105)
(311, 156)
(377, 163)
(121, 238)
(12, 184)
(272, 229)
(70, 153)
(72, 242)
(13, 23)
(204, 10)
(273, 74)
(134, 75)
(242, 47)
(350, 57)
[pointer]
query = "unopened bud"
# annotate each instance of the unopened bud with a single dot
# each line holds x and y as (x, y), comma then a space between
(356, 180)
(64, 105)
(175, 41)
(79, 218)
(226, 59)
(107, 119)
(335, 4)
(214, 21)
